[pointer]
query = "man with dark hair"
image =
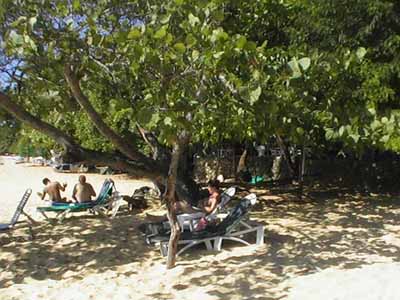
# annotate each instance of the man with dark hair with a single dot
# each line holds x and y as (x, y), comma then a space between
(53, 188)
(83, 191)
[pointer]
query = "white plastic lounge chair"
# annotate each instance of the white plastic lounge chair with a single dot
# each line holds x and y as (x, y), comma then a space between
(189, 221)
(230, 228)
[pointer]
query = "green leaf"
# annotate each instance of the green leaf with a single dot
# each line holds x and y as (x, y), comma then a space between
(89, 40)
(134, 33)
(305, 63)
(250, 46)
(372, 111)
(17, 22)
(241, 42)
(193, 20)
(255, 95)
(217, 55)
(32, 21)
(361, 53)
(385, 138)
(355, 137)
(195, 54)
(76, 4)
(180, 47)
(256, 74)
(16, 39)
(294, 66)
(218, 34)
(329, 134)
(168, 121)
(160, 33)
(300, 131)
(190, 40)
(165, 19)
(375, 124)
(341, 130)
(155, 118)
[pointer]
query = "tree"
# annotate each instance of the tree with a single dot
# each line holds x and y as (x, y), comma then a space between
(98, 76)
(168, 68)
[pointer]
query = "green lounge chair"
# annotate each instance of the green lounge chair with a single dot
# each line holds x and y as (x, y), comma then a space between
(232, 227)
(99, 205)
(18, 212)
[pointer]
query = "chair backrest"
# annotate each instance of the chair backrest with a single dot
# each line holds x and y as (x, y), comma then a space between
(226, 196)
(105, 191)
(20, 207)
(236, 214)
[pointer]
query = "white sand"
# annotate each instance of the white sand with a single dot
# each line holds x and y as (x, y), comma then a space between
(377, 281)
(324, 250)
(16, 178)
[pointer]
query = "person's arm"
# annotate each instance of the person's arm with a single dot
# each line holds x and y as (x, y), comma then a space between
(61, 187)
(44, 194)
(211, 205)
(93, 192)
(74, 193)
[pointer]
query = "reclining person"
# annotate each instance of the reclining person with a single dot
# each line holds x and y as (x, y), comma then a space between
(83, 191)
(53, 188)
(207, 205)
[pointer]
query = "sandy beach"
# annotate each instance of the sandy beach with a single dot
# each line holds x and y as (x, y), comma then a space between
(335, 248)
(16, 178)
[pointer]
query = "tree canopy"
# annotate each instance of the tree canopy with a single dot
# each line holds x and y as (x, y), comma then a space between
(220, 69)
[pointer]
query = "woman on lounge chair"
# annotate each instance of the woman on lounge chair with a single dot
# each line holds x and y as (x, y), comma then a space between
(206, 205)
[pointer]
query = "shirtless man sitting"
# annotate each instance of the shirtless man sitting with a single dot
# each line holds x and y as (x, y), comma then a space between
(83, 191)
(53, 188)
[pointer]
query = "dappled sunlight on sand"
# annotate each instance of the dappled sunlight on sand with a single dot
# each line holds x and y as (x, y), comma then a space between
(324, 247)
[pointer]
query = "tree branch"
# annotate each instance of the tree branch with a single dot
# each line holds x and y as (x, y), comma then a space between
(160, 153)
(24, 116)
(123, 145)
(73, 149)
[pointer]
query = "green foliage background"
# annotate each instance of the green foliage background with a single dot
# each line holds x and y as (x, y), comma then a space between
(314, 72)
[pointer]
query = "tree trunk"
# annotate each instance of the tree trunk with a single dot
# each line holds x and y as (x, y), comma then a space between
(177, 151)
(242, 162)
(301, 171)
(286, 155)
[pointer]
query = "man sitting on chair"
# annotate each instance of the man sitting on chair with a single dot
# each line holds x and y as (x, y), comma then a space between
(53, 188)
(83, 191)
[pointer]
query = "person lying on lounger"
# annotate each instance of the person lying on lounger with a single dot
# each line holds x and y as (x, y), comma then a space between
(206, 205)
(83, 191)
